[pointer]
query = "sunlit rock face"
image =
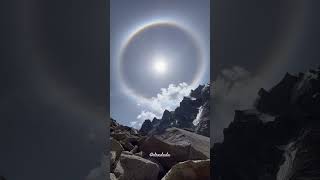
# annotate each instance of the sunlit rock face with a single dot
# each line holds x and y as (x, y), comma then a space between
(279, 139)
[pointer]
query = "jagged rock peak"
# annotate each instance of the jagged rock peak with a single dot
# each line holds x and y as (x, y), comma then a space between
(155, 121)
(146, 127)
(166, 115)
(192, 114)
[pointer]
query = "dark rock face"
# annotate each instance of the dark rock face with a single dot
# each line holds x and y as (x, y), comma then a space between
(278, 99)
(146, 127)
(279, 140)
(155, 121)
(192, 114)
(302, 156)
(165, 122)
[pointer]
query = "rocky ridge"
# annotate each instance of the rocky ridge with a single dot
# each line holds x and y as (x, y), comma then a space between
(131, 152)
(192, 115)
(279, 139)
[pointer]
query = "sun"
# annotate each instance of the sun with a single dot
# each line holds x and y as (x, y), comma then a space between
(160, 65)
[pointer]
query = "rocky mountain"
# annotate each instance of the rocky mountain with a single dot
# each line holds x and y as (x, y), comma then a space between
(174, 154)
(277, 140)
(192, 115)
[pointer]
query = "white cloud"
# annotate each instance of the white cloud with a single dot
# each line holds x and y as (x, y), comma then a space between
(168, 99)
(141, 117)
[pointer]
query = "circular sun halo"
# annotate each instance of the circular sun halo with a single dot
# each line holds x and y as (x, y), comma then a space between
(159, 65)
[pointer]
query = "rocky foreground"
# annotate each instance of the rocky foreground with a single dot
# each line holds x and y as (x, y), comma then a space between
(175, 147)
(277, 140)
(131, 160)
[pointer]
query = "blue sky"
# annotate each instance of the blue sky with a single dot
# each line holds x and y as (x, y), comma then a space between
(183, 48)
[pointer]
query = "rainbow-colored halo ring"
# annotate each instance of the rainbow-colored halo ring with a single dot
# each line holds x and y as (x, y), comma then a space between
(195, 81)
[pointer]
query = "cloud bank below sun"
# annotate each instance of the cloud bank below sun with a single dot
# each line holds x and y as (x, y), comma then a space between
(168, 99)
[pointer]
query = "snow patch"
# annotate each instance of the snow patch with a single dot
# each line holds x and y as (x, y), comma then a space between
(197, 119)
(284, 172)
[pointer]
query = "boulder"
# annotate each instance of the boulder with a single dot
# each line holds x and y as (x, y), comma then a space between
(191, 170)
(131, 166)
(118, 171)
(116, 147)
(180, 144)
(125, 136)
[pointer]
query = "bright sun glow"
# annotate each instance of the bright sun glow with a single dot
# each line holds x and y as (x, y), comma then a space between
(160, 65)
